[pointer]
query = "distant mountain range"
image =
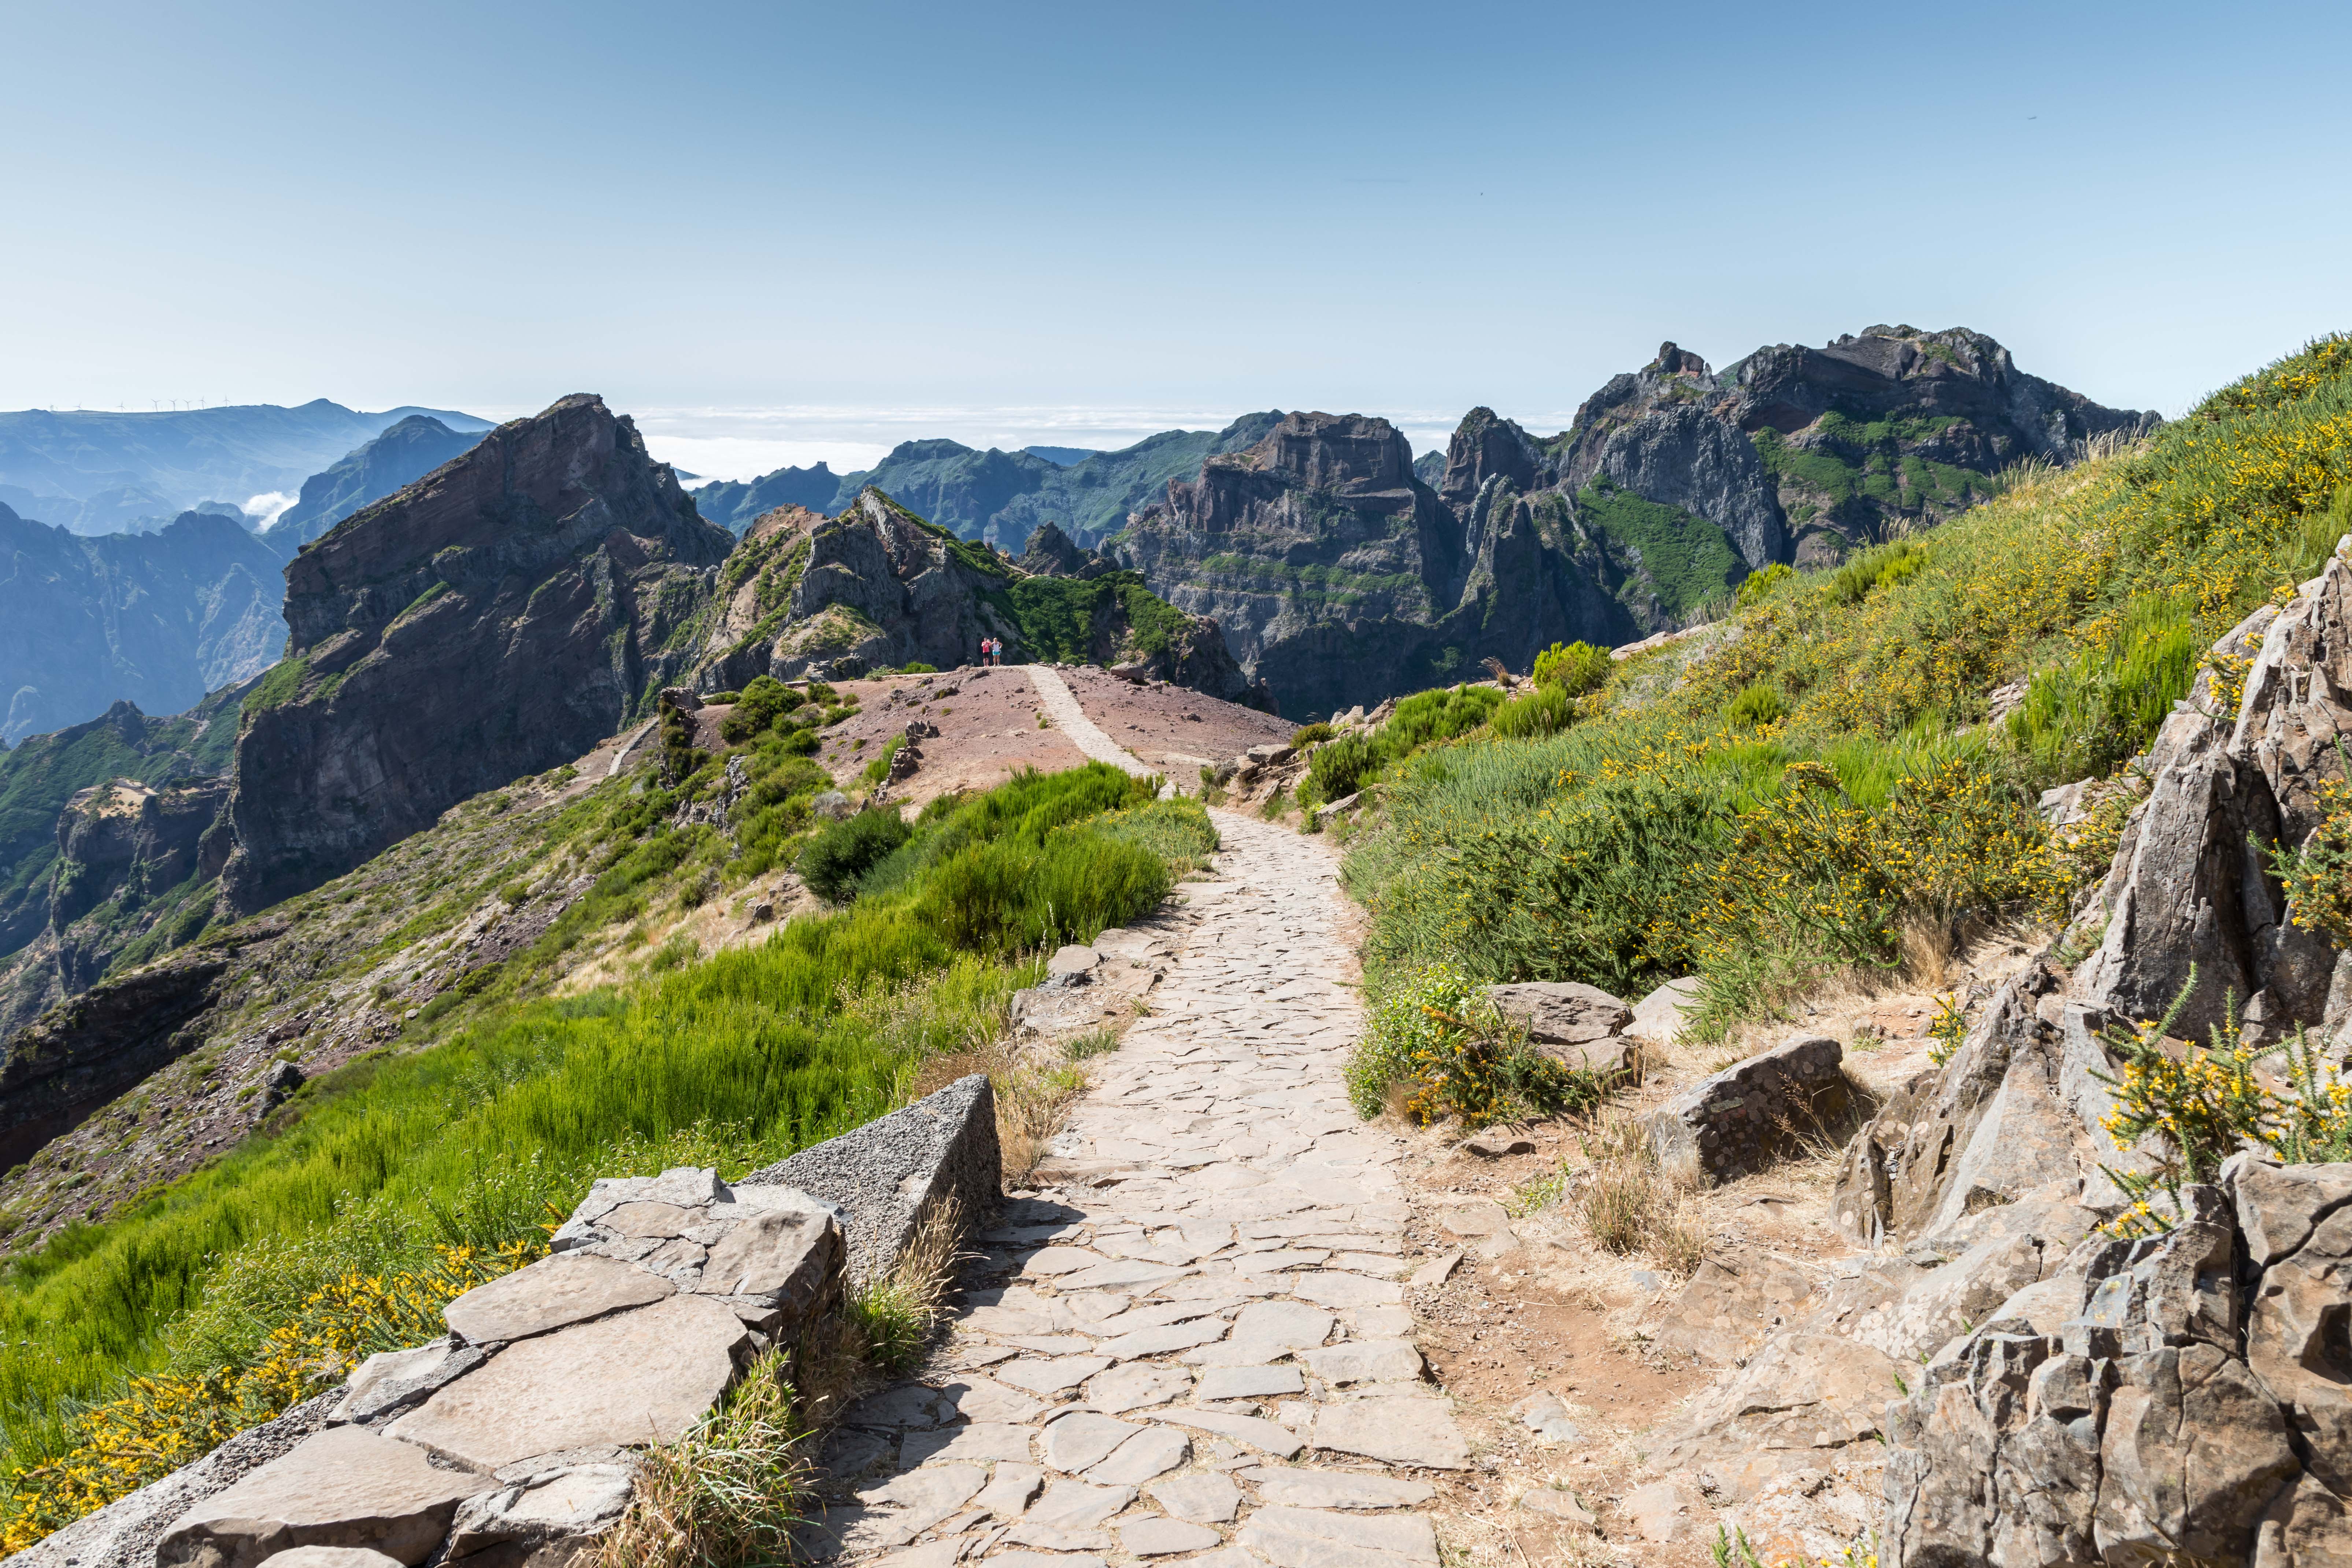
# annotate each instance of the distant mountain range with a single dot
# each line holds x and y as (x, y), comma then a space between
(404, 454)
(158, 619)
(995, 496)
(95, 472)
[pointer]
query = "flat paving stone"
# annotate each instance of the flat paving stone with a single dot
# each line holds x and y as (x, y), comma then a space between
(1165, 1537)
(1364, 1361)
(1133, 1386)
(1334, 1488)
(1204, 1496)
(1250, 1381)
(1402, 1431)
(1150, 1453)
(1075, 1442)
(1051, 1377)
(1307, 1538)
(1330, 1288)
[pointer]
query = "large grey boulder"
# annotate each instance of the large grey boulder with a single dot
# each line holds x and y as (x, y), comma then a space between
(888, 1175)
(341, 1488)
(1734, 1122)
(1575, 1023)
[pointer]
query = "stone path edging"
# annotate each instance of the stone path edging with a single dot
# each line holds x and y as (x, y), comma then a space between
(1198, 1349)
(1071, 719)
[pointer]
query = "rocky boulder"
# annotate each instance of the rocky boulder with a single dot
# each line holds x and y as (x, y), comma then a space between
(1734, 1122)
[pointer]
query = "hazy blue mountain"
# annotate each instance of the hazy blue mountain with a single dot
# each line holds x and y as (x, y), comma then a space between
(176, 460)
(110, 511)
(1001, 497)
(401, 456)
(158, 619)
(736, 504)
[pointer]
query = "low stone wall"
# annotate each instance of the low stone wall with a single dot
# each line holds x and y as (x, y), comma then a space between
(511, 1442)
(888, 1176)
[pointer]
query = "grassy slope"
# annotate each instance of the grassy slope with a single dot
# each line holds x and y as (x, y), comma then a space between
(1660, 837)
(479, 1139)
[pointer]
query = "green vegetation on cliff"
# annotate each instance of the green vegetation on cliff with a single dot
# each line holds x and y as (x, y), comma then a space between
(1814, 782)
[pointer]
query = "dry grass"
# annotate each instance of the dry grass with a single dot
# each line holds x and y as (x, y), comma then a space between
(1629, 1203)
(728, 1493)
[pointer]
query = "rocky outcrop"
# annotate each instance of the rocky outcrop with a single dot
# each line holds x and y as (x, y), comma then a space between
(880, 586)
(2190, 1409)
(42, 775)
(1803, 453)
(1339, 578)
(498, 618)
(124, 849)
(85, 1051)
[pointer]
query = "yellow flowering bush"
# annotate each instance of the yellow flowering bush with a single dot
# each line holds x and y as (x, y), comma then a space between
(2195, 1107)
(2318, 874)
(159, 1424)
(1453, 1055)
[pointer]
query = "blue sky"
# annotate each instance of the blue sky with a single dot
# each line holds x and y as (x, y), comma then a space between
(784, 231)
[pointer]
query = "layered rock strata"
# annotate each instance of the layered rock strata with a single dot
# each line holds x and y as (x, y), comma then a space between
(496, 618)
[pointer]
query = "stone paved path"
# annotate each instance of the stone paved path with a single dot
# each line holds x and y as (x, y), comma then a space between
(1197, 1349)
(1071, 719)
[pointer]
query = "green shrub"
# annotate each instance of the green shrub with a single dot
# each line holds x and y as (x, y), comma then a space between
(1341, 765)
(917, 667)
(1311, 735)
(1759, 584)
(1451, 1054)
(844, 851)
(1880, 566)
(1757, 705)
(1543, 711)
(1576, 668)
(757, 709)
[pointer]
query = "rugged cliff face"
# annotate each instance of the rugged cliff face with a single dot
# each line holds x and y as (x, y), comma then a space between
(1803, 453)
(130, 857)
(498, 618)
(39, 778)
(401, 456)
(878, 586)
(1339, 578)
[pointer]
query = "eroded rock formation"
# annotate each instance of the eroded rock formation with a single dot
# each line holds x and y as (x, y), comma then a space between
(497, 618)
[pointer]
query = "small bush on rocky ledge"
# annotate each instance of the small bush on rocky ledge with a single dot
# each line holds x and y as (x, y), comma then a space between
(1439, 1049)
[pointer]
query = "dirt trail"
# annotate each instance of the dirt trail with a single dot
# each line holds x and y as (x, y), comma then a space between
(1191, 1336)
(1071, 719)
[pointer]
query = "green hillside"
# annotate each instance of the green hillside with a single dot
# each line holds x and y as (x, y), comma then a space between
(1812, 783)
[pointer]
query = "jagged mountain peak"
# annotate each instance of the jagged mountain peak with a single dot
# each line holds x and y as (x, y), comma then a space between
(496, 618)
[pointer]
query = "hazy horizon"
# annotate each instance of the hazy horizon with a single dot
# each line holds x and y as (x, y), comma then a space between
(778, 233)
